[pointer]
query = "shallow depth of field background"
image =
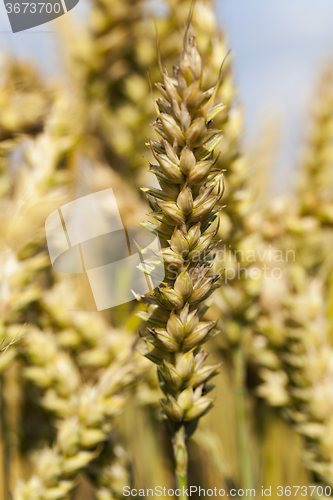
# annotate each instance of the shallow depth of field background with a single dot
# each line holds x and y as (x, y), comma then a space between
(279, 50)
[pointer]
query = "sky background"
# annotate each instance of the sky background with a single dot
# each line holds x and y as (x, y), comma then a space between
(279, 47)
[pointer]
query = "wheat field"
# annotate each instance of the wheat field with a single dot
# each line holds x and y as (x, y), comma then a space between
(114, 403)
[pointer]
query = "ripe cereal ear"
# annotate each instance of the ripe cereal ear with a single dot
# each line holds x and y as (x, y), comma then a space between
(191, 208)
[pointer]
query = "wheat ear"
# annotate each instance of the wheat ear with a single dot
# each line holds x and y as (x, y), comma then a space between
(185, 207)
(317, 177)
(81, 434)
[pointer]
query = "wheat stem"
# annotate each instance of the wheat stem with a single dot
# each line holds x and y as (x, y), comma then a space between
(5, 444)
(181, 459)
(185, 208)
(243, 438)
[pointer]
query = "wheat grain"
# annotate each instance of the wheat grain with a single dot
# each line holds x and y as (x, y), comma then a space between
(185, 208)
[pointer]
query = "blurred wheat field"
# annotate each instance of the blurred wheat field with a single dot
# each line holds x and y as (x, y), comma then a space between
(79, 404)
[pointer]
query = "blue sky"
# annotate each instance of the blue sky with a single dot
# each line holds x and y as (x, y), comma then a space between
(279, 47)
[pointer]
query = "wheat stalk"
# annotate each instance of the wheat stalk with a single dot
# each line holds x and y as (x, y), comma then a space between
(25, 286)
(185, 208)
(110, 472)
(87, 425)
(300, 379)
(316, 174)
